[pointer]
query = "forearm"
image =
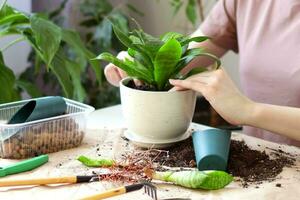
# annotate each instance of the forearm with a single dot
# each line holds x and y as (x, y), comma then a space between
(279, 119)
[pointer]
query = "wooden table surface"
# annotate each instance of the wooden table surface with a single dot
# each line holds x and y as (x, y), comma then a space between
(105, 128)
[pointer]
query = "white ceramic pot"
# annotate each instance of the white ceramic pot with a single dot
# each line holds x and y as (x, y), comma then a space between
(156, 117)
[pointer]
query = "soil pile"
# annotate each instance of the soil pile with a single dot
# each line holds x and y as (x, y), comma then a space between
(250, 165)
(256, 166)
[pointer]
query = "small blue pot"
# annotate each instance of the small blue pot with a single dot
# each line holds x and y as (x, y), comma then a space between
(211, 148)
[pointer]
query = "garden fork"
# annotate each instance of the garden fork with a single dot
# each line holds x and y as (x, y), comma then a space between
(150, 190)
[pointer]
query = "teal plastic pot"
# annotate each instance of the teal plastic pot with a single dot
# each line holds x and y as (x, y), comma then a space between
(211, 148)
(40, 108)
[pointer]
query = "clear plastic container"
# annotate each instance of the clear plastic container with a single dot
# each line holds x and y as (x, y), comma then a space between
(45, 135)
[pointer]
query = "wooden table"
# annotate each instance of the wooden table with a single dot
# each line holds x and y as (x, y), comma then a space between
(103, 137)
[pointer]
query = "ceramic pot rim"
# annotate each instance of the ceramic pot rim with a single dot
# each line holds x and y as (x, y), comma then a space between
(122, 85)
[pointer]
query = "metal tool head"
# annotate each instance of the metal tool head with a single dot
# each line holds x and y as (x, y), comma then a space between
(150, 190)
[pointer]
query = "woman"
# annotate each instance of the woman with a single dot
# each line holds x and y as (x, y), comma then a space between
(266, 34)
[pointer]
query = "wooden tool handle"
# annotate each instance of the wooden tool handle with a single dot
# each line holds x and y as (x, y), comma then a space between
(41, 181)
(107, 194)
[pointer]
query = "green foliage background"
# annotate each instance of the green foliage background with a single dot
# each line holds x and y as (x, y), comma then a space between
(60, 59)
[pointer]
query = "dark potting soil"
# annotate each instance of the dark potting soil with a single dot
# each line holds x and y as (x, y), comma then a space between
(132, 85)
(252, 166)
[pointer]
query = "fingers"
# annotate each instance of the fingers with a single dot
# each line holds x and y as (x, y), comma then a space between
(122, 55)
(112, 74)
(188, 84)
(138, 82)
(177, 88)
(122, 73)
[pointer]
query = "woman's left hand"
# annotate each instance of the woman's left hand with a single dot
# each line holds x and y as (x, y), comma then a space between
(222, 94)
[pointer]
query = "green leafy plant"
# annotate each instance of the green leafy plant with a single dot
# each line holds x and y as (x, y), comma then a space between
(156, 60)
(49, 42)
(97, 36)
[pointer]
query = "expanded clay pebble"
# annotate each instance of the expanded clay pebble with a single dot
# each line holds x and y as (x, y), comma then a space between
(43, 138)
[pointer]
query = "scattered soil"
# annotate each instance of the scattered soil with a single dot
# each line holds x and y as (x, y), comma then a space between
(250, 165)
(140, 87)
(180, 155)
(278, 185)
(256, 166)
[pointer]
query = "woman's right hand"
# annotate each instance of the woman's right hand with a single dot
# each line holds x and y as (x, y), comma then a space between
(114, 74)
(222, 94)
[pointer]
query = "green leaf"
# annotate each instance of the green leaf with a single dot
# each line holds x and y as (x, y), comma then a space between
(103, 34)
(191, 11)
(150, 44)
(195, 71)
(141, 59)
(72, 38)
(6, 10)
(119, 20)
(194, 39)
(58, 10)
(123, 38)
(169, 35)
(30, 88)
(207, 180)
(7, 82)
(47, 36)
(177, 4)
(59, 68)
(14, 18)
(95, 8)
(133, 69)
(190, 55)
(100, 162)
(2, 5)
(142, 72)
(74, 70)
(165, 61)
(137, 46)
(112, 59)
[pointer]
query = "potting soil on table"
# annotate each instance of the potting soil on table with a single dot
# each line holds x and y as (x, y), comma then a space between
(251, 166)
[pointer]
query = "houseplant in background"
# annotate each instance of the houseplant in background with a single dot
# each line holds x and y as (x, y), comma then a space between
(153, 114)
(40, 79)
(51, 44)
(97, 36)
(78, 77)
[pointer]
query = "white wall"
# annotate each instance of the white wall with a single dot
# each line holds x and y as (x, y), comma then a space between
(16, 56)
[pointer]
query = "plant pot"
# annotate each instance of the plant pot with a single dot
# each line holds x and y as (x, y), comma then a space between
(156, 118)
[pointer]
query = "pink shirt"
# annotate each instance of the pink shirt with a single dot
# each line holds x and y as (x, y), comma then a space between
(266, 34)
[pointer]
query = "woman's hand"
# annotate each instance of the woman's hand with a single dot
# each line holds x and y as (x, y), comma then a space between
(114, 74)
(222, 94)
